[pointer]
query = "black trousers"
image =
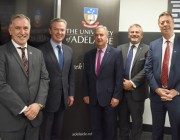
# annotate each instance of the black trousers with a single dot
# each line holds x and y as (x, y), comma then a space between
(27, 133)
(103, 121)
(51, 128)
(129, 108)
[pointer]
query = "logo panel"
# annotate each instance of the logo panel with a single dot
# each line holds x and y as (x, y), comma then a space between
(90, 17)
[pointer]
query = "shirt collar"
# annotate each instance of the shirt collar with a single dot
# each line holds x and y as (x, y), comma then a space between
(136, 45)
(171, 39)
(17, 45)
(54, 44)
(103, 50)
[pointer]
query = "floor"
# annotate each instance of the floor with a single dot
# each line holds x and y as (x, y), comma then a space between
(147, 136)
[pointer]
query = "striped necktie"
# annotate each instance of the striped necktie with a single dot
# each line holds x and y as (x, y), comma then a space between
(24, 59)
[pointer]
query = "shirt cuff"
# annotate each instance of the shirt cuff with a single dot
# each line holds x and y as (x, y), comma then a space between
(134, 86)
(23, 110)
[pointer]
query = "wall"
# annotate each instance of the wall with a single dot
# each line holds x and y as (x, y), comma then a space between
(145, 13)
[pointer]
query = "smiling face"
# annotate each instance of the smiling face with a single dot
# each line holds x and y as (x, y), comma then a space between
(58, 31)
(19, 30)
(135, 34)
(166, 26)
(101, 37)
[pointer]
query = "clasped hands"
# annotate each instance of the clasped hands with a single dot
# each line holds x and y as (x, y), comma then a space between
(127, 85)
(32, 111)
(165, 94)
(114, 101)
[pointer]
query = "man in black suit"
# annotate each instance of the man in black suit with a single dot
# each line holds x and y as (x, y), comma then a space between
(135, 87)
(24, 84)
(102, 85)
(61, 73)
(163, 73)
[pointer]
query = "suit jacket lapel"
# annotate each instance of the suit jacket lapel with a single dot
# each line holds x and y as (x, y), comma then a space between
(138, 53)
(159, 54)
(125, 53)
(175, 52)
(65, 54)
(93, 58)
(30, 55)
(105, 59)
(16, 56)
(52, 55)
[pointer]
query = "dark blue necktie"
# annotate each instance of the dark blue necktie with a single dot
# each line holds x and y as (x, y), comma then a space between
(60, 57)
(128, 62)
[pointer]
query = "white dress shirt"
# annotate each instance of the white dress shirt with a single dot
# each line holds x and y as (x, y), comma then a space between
(20, 55)
(134, 54)
(164, 45)
(54, 45)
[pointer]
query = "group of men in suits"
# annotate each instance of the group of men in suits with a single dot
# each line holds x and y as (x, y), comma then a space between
(114, 83)
(110, 84)
(121, 76)
(32, 80)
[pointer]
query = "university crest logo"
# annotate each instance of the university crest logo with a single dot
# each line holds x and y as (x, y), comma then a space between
(90, 17)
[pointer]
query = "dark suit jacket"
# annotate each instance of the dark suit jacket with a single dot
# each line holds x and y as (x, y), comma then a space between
(108, 83)
(138, 77)
(153, 67)
(61, 82)
(18, 91)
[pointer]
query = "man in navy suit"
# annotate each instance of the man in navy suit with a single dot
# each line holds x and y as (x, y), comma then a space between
(61, 87)
(102, 83)
(163, 73)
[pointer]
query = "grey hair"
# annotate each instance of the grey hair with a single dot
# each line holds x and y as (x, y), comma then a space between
(102, 27)
(20, 16)
(136, 25)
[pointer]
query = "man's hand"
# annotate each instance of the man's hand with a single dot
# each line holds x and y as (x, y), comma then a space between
(165, 94)
(127, 85)
(70, 100)
(173, 93)
(114, 102)
(32, 111)
(86, 99)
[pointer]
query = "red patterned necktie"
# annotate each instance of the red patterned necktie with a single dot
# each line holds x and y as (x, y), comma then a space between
(164, 73)
(98, 61)
(24, 59)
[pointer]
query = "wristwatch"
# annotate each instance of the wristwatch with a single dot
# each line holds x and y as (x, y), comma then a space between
(41, 106)
(177, 93)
